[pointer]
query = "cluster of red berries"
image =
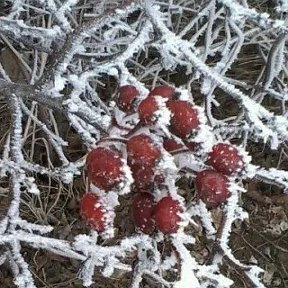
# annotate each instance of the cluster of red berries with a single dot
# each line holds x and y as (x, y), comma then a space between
(212, 185)
(107, 166)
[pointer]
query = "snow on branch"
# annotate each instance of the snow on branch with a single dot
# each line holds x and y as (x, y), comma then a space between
(263, 20)
(273, 176)
(36, 37)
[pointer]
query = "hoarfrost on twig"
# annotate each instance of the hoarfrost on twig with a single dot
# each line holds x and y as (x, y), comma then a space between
(75, 47)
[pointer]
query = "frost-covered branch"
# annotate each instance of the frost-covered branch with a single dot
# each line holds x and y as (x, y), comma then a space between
(76, 55)
(33, 37)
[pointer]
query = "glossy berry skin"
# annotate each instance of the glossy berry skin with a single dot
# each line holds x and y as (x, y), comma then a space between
(225, 158)
(143, 207)
(104, 168)
(141, 149)
(166, 215)
(93, 212)
(171, 145)
(164, 91)
(212, 187)
(126, 98)
(184, 119)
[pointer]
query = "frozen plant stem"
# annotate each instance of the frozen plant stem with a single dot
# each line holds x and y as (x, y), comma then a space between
(76, 55)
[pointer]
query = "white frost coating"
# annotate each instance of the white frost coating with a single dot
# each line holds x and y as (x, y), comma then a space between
(162, 114)
(72, 107)
(282, 6)
(30, 227)
(201, 210)
(169, 262)
(253, 274)
(167, 164)
(232, 213)
(274, 176)
(59, 83)
(32, 188)
(188, 265)
(121, 49)
(204, 134)
(189, 160)
(205, 138)
(109, 201)
(94, 189)
(185, 220)
(125, 185)
(125, 122)
(184, 95)
(210, 275)
(60, 14)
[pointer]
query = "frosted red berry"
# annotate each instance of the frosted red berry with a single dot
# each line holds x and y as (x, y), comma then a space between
(166, 215)
(171, 145)
(147, 109)
(225, 158)
(184, 119)
(126, 98)
(212, 187)
(140, 148)
(93, 212)
(143, 207)
(164, 91)
(104, 168)
(143, 175)
(148, 106)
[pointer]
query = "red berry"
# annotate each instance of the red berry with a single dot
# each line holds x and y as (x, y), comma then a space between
(212, 187)
(126, 98)
(166, 215)
(140, 148)
(149, 105)
(143, 206)
(164, 91)
(184, 119)
(104, 168)
(147, 109)
(93, 212)
(143, 175)
(225, 158)
(171, 145)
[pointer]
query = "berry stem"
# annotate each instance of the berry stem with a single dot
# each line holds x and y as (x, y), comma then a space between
(134, 130)
(114, 123)
(180, 151)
